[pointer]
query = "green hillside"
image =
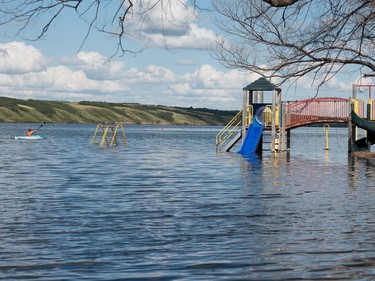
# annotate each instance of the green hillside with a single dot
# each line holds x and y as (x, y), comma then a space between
(17, 110)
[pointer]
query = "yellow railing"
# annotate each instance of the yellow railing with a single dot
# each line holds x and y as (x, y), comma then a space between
(277, 116)
(360, 108)
(228, 130)
(232, 127)
(372, 109)
(249, 116)
(267, 116)
(107, 134)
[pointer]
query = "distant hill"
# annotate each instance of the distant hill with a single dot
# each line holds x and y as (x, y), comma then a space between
(18, 110)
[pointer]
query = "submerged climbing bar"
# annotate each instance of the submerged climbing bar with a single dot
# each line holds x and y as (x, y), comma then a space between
(109, 135)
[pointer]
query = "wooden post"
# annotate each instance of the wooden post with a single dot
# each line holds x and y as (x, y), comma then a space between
(282, 121)
(244, 114)
(367, 133)
(273, 128)
(351, 127)
(326, 129)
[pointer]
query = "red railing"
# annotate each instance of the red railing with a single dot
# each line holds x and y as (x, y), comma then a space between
(318, 110)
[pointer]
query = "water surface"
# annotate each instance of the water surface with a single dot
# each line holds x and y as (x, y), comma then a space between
(167, 207)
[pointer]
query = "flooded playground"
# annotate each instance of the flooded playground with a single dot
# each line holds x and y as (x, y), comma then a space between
(168, 207)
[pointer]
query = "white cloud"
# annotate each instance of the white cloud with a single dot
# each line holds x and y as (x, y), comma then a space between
(158, 74)
(194, 38)
(338, 86)
(17, 57)
(98, 67)
(164, 17)
(91, 76)
(65, 79)
(209, 77)
(26, 74)
(212, 88)
(187, 62)
(169, 24)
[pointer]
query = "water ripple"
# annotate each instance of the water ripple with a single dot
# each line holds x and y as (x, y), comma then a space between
(169, 208)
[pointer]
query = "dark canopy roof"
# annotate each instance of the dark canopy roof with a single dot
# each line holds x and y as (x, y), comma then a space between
(262, 84)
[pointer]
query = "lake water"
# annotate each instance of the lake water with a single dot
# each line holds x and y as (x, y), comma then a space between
(167, 207)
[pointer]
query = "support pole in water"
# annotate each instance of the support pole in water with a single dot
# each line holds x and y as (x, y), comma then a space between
(326, 129)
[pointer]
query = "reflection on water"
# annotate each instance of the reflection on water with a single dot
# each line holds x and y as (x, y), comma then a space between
(169, 208)
(361, 172)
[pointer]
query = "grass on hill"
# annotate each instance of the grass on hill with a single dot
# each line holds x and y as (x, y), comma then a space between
(18, 110)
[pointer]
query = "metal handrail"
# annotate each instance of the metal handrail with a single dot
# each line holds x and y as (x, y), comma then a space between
(219, 136)
(113, 140)
(232, 126)
(250, 113)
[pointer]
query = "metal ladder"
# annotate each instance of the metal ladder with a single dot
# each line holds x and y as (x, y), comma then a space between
(232, 133)
(107, 135)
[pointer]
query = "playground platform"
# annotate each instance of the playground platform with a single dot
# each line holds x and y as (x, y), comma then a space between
(278, 118)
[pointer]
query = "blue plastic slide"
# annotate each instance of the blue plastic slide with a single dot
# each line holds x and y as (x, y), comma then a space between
(254, 133)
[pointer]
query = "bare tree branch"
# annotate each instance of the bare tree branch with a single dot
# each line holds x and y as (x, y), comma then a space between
(290, 39)
(286, 39)
(111, 17)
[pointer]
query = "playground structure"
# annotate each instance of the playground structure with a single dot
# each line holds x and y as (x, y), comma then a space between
(107, 135)
(276, 119)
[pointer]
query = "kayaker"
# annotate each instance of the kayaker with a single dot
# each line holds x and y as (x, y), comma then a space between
(30, 132)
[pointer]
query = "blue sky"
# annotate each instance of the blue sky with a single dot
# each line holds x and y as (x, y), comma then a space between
(175, 70)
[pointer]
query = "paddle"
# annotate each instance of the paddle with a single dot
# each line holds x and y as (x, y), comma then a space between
(41, 125)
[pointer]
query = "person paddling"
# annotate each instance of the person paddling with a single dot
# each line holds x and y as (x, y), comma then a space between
(30, 132)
